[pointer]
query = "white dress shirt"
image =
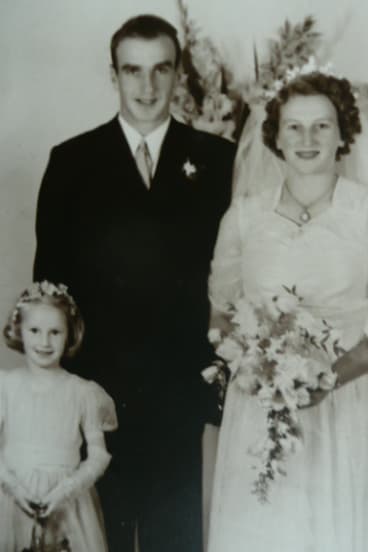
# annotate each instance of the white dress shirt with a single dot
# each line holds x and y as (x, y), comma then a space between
(153, 140)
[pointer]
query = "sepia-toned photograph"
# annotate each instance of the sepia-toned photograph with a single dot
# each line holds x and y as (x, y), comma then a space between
(184, 276)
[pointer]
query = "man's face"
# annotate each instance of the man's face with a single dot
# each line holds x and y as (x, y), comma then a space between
(145, 78)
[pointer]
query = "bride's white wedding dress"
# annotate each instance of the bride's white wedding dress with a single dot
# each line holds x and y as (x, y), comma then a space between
(321, 505)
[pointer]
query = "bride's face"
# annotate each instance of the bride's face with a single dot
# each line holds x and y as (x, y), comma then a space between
(309, 134)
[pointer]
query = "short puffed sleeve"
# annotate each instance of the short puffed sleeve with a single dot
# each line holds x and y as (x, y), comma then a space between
(99, 410)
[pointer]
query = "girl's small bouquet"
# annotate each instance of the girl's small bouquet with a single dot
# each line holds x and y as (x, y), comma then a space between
(280, 353)
(38, 539)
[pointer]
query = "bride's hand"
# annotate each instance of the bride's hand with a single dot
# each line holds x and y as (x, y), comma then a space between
(24, 501)
(352, 364)
(348, 367)
(316, 397)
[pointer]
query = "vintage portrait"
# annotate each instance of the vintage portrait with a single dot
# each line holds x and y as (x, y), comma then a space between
(184, 276)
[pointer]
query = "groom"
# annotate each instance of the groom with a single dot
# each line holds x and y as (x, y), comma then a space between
(127, 217)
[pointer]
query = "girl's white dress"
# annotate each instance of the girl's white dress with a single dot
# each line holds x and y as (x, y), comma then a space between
(41, 432)
(321, 505)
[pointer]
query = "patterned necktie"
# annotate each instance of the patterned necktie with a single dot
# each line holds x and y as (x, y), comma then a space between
(144, 162)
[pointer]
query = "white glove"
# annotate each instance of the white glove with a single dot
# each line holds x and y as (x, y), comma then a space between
(81, 480)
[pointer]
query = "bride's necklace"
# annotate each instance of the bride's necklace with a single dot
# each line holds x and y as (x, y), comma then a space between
(305, 214)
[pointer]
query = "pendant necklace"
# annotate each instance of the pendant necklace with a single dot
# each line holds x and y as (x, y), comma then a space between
(305, 214)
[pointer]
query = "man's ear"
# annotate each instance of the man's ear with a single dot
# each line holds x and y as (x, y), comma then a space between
(114, 77)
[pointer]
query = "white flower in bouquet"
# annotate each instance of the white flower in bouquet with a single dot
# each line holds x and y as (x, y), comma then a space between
(290, 444)
(287, 301)
(306, 320)
(290, 398)
(244, 376)
(274, 351)
(246, 319)
(327, 380)
(261, 448)
(302, 396)
(230, 350)
(214, 335)
(209, 374)
(266, 397)
(293, 367)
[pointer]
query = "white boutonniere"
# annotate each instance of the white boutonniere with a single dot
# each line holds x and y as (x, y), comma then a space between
(189, 169)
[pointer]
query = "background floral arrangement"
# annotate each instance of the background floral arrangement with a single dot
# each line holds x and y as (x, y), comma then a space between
(208, 95)
(295, 45)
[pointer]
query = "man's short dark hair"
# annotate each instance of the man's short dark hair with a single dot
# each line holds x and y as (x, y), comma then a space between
(147, 27)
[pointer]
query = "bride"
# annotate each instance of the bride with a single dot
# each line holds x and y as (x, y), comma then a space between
(306, 227)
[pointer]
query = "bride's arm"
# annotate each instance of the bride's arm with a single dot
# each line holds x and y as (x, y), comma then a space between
(225, 283)
(352, 364)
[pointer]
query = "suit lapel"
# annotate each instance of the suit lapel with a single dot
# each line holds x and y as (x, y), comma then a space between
(172, 157)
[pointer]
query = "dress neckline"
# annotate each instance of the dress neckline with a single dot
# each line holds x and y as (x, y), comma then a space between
(277, 197)
(47, 383)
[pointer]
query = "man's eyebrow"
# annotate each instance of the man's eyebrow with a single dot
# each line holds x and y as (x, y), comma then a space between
(129, 66)
(161, 64)
(165, 63)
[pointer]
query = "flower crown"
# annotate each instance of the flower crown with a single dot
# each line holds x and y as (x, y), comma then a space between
(39, 290)
(291, 74)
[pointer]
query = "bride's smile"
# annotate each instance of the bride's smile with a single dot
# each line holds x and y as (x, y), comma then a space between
(307, 154)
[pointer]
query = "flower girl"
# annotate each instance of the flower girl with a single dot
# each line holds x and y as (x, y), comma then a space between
(46, 414)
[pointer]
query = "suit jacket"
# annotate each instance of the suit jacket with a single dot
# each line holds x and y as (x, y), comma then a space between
(137, 260)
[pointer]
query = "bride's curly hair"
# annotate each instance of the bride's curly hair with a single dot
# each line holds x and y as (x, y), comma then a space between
(338, 91)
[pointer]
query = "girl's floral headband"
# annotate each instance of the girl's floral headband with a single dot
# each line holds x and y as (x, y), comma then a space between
(39, 290)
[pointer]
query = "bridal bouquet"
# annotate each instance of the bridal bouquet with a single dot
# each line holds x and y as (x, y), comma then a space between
(280, 353)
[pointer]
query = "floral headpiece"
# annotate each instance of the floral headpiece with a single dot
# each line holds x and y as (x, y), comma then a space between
(291, 74)
(39, 290)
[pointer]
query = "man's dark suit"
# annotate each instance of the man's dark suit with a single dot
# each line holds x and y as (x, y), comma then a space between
(137, 263)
